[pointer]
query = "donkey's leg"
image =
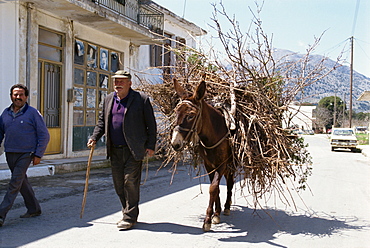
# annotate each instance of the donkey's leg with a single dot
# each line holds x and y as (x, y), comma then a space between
(213, 195)
(216, 214)
(230, 185)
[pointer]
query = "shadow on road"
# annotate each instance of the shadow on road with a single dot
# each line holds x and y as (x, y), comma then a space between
(261, 226)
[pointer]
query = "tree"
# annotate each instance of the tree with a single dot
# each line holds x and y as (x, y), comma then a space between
(335, 107)
(323, 117)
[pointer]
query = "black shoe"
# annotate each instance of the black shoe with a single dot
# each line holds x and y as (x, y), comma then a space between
(1, 221)
(28, 215)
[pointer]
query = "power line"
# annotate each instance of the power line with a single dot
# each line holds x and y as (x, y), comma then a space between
(364, 52)
(335, 46)
(183, 11)
(363, 41)
(355, 17)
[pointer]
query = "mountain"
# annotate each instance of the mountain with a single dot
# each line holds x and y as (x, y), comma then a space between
(337, 82)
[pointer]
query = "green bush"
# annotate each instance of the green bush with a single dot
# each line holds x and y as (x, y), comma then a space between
(363, 138)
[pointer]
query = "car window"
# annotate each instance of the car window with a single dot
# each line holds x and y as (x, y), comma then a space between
(343, 132)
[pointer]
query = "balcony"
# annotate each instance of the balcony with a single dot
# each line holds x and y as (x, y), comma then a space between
(137, 11)
(133, 20)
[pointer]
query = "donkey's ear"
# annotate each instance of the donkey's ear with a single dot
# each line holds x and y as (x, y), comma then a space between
(179, 90)
(200, 91)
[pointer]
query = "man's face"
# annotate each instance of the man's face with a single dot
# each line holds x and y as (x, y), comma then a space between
(18, 97)
(121, 84)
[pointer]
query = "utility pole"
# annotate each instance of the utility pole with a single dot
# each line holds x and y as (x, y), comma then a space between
(335, 109)
(350, 85)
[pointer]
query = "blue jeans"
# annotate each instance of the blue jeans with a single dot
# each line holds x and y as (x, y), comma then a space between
(126, 173)
(18, 164)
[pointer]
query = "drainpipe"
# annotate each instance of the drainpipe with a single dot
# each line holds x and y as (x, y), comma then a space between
(28, 43)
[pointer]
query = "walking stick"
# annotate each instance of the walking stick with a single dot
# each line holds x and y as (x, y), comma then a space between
(87, 180)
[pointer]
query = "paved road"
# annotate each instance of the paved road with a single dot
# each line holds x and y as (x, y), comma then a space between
(335, 214)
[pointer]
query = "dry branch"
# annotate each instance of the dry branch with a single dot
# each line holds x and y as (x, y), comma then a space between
(258, 89)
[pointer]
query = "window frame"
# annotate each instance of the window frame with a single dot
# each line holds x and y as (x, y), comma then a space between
(90, 105)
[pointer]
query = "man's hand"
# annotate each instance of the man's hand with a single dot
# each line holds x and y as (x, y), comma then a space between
(149, 152)
(91, 143)
(36, 160)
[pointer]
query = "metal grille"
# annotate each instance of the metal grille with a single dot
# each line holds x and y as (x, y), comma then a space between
(141, 14)
(52, 95)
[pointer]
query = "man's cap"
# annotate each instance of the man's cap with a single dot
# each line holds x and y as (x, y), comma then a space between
(122, 74)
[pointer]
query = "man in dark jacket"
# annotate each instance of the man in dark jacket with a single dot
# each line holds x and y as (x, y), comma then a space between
(26, 139)
(128, 122)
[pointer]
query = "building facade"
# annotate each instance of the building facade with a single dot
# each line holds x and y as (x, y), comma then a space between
(300, 118)
(66, 51)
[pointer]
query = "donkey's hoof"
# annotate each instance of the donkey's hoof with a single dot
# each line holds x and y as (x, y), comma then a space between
(227, 212)
(206, 227)
(216, 219)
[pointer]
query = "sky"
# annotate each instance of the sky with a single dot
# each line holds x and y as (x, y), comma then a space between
(294, 24)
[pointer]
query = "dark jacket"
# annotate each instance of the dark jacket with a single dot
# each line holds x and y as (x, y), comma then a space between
(139, 125)
(26, 132)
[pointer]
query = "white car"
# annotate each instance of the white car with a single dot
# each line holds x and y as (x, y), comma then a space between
(343, 138)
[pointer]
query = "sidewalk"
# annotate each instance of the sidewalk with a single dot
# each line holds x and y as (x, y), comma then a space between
(365, 149)
(50, 167)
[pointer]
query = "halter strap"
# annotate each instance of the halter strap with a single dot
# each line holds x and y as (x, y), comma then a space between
(196, 127)
(193, 132)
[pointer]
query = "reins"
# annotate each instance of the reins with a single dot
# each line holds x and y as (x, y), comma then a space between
(217, 144)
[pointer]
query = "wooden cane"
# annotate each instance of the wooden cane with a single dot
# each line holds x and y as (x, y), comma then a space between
(87, 180)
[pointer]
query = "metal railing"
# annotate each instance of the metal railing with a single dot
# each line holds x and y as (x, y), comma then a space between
(142, 14)
(151, 19)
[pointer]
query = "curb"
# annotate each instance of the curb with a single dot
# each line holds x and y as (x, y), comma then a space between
(50, 167)
(47, 170)
(62, 166)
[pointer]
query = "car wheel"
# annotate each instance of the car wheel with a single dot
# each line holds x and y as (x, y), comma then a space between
(332, 149)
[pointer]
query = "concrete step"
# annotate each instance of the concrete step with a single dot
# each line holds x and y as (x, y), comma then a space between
(50, 167)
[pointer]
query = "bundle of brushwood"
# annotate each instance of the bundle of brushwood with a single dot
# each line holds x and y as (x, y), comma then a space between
(265, 154)
(255, 91)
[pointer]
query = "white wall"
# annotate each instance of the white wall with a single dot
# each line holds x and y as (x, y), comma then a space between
(9, 52)
(302, 117)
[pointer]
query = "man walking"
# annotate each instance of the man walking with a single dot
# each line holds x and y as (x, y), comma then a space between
(128, 122)
(26, 138)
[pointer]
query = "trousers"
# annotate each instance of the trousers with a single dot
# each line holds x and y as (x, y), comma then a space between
(18, 164)
(126, 174)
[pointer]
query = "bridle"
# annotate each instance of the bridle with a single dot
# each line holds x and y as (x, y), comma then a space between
(193, 132)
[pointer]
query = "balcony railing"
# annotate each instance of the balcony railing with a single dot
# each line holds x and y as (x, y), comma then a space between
(142, 14)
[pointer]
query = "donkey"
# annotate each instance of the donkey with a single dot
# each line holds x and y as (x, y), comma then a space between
(199, 121)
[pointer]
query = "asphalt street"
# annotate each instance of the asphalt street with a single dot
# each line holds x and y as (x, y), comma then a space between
(334, 212)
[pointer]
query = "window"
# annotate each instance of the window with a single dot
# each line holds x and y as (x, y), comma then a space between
(180, 56)
(155, 55)
(93, 67)
(162, 56)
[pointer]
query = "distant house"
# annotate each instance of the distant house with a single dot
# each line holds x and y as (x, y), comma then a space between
(299, 117)
(66, 51)
(365, 96)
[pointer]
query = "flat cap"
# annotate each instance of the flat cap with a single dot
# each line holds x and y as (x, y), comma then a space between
(122, 74)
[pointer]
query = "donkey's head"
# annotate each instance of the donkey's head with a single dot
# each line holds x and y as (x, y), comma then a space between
(188, 115)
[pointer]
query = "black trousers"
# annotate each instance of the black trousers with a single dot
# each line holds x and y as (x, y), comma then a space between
(18, 164)
(126, 173)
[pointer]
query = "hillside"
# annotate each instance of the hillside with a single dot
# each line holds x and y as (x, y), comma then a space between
(336, 83)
